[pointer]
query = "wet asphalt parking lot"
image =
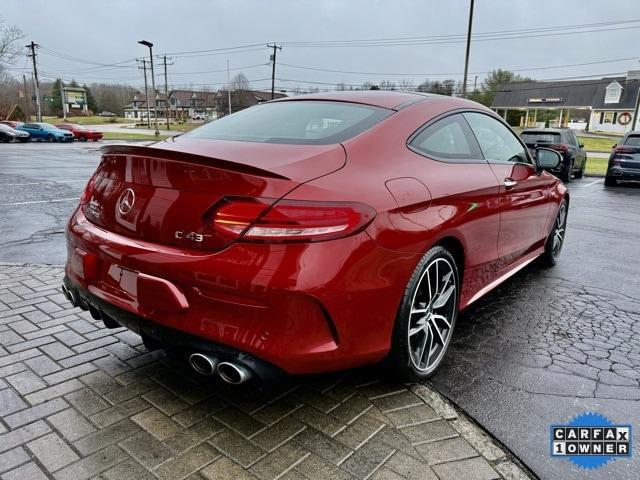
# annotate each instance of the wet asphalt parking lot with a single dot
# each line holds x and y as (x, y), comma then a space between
(545, 346)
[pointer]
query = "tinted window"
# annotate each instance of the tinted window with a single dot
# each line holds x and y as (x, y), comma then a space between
(541, 137)
(571, 139)
(32, 125)
(632, 141)
(497, 142)
(294, 122)
(449, 138)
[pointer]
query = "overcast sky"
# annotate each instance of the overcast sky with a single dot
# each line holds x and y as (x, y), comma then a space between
(106, 32)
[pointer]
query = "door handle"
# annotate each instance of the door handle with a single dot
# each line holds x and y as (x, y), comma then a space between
(509, 183)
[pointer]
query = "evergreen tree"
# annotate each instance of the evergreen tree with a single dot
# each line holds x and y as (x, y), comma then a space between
(91, 101)
(492, 83)
(55, 99)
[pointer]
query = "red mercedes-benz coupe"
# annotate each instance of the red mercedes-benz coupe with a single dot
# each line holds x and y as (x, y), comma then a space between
(313, 233)
(80, 132)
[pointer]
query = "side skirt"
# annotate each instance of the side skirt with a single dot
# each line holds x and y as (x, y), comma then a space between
(505, 274)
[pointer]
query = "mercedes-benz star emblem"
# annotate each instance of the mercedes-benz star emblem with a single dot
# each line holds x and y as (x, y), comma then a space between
(126, 201)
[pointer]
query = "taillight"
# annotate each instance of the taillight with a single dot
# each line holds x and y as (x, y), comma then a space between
(88, 191)
(624, 150)
(253, 220)
(559, 147)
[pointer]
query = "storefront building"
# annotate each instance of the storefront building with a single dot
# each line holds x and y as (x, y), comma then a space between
(598, 105)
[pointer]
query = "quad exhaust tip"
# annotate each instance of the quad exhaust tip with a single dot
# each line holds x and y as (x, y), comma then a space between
(70, 295)
(233, 373)
(203, 364)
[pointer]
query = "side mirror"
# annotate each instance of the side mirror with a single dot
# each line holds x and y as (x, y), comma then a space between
(614, 145)
(582, 145)
(547, 159)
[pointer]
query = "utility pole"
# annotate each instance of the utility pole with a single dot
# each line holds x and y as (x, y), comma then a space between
(153, 83)
(64, 111)
(26, 98)
(166, 89)
(273, 67)
(146, 91)
(32, 47)
(228, 87)
(466, 58)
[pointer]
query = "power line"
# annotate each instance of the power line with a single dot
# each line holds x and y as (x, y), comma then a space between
(427, 74)
(462, 37)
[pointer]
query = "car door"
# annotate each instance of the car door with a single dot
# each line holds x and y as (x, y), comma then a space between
(524, 197)
(464, 191)
(34, 130)
(579, 156)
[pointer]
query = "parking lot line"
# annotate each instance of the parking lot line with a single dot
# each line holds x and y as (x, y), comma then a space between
(600, 180)
(55, 200)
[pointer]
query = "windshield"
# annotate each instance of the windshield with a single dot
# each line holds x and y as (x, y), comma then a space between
(294, 122)
(541, 137)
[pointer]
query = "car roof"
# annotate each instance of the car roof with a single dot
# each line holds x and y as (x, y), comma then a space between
(377, 98)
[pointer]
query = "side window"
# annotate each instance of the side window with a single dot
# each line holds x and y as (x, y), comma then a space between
(447, 139)
(496, 141)
(573, 139)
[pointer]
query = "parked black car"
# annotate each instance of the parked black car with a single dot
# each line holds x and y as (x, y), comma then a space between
(564, 141)
(624, 162)
(8, 134)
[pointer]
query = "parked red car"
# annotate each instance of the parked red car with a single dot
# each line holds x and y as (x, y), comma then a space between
(313, 233)
(80, 132)
(12, 123)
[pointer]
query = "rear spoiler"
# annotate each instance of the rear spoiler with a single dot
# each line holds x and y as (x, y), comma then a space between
(177, 156)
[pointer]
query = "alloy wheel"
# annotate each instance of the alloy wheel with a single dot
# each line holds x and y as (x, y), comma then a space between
(559, 230)
(432, 315)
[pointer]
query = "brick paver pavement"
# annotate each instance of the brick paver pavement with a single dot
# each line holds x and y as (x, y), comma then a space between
(79, 401)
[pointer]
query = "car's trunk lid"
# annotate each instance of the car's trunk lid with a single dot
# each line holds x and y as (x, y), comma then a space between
(166, 192)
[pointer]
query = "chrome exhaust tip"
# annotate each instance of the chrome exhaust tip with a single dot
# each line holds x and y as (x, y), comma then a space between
(65, 292)
(234, 373)
(73, 297)
(95, 312)
(203, 364)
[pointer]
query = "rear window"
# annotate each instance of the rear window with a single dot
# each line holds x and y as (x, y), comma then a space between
(541, 137)
(633, 141)
(294, 122)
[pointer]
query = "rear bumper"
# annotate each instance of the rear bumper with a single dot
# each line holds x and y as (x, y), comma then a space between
(624, 173)
(156, 335)
(306, 308)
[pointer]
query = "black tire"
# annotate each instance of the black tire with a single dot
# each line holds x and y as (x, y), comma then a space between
(50, 138)
(4, 139)
(580, 173)
(402, 358)
(565, 176)
(551, 249)
(610, 181)
(83, 139)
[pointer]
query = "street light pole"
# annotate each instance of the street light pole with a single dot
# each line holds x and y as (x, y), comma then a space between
(466, 58)
(153, 83)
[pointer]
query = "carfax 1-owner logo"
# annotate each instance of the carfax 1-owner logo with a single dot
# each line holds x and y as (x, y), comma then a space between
(591, 440)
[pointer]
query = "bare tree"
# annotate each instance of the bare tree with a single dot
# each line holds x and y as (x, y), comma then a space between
(240, 82)
(406, 84)
(9, 49)
(9, 36)
(387, 85)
